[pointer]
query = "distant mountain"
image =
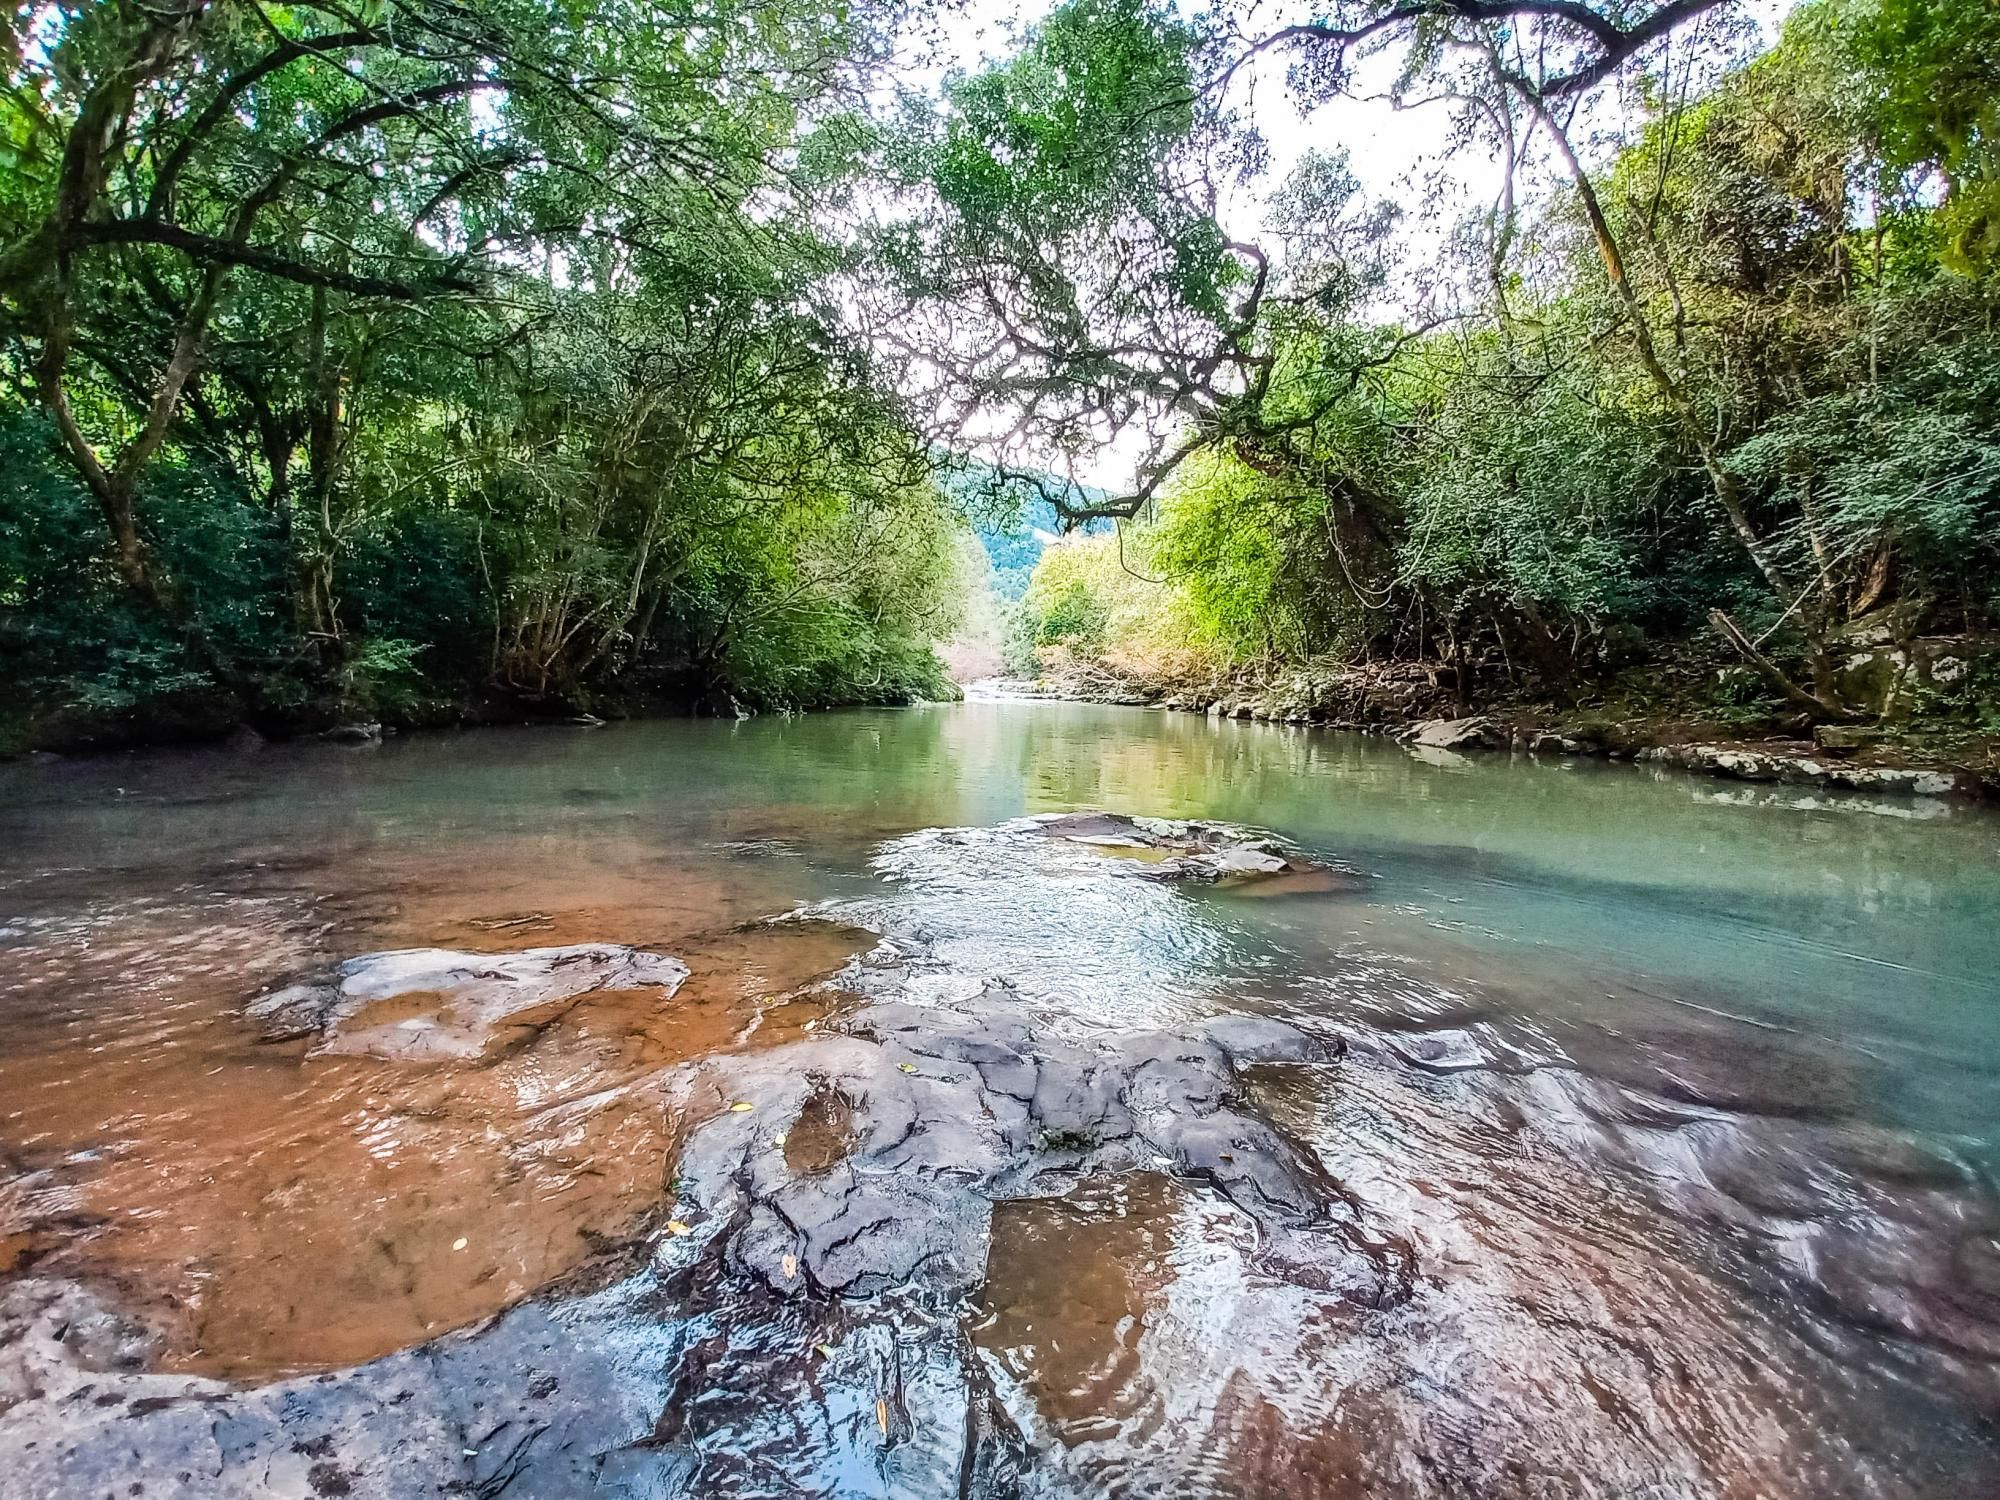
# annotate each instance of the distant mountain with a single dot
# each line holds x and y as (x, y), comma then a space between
(1014, 523)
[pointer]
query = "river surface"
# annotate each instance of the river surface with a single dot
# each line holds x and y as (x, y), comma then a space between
(1678, 1099)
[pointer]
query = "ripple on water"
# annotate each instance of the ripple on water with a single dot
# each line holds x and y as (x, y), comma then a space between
(1562, 1340)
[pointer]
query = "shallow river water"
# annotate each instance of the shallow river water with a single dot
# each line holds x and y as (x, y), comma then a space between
(1659, 1116)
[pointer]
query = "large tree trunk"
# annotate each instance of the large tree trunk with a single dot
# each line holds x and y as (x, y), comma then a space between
(37, 271)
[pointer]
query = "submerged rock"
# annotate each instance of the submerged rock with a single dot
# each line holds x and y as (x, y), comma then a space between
(794, 1312)
(1398, 1248)
(1206, 853)
(431, 1004)
(954, 1108)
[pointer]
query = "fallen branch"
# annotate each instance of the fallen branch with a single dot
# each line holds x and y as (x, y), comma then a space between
(1818, 707)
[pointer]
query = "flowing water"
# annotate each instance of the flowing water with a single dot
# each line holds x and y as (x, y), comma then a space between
(1680, 1097)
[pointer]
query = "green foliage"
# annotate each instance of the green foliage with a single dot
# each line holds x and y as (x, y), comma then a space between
(1228, 537)
(1791, 416)
(1528, 489)
(1071, 617)
(1094, 598)
(520, 367)
(1934, 71)
(1057, 241)
(380, 679)
(1915, 458)
(1074, 119)
(379, 361)
(71, 637)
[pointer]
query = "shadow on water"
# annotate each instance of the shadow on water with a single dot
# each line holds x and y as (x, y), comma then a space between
(1679, 1099)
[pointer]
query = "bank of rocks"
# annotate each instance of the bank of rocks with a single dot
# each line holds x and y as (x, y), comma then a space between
(1792, 762)
(1415, 705)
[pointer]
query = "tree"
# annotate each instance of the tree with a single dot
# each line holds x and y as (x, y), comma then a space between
(422, 152)
(501, 336)
(1695, 377)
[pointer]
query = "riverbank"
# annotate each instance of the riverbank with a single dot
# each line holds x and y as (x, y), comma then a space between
(219, 719)
(1662, 716)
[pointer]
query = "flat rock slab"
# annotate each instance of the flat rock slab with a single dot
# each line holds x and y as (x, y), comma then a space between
(1170, 850)
(1745, 764)
(952, 1109)
(828, 1214)
(795, 1318)
(841, 1268)
(439, 1004)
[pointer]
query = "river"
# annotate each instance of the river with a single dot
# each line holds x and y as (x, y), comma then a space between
(1647, 1122)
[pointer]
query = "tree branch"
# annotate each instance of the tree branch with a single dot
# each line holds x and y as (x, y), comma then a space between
(233, 89)
(1617, 43)
(208, 248)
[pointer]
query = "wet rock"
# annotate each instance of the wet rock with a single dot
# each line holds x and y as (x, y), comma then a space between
(530, 1404)
(792, 1319)
(831, 1209)
(1921, 782)
(791, 1311)
(1474, 733)
(1441, 1050)
(955, 1108)
(432, 1004)
(1747, 765)
(1205, 853)
(1876, 1230)
(1796, 769)
(1249, 1040)
(1090, 827)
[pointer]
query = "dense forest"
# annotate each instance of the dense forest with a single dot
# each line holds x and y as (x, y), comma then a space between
(431, 360)
(1726, 390)
(437, 358)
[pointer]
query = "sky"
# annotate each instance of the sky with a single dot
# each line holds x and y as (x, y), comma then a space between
(1393, 152)
(1385, 144)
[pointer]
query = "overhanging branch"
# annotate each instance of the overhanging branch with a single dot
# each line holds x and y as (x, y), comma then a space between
(1616, 43)
(208, 249)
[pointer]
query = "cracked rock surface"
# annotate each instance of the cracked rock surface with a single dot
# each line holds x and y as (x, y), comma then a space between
(1054, 1192)
(831, 1212)
(954, 1109)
